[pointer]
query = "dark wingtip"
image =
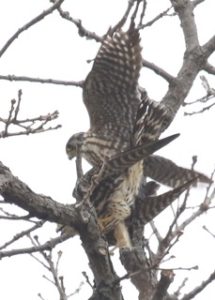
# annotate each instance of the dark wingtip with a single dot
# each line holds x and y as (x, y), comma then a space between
(204, 179)
(172, 137)
(162, 142)
(169, 139)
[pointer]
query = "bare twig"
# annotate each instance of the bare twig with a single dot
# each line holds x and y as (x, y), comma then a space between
(10, 216)
(206, 85)
(17, 218)
(208, 231)
(9, 118)
(180, 268)
(46, 246)
(77, 290)
(28, 126)
(159, 71)
(199, 111)
(83, 32)
(39, 261)
(40, 296)
(156, 231)
(52, 268)
(200, 288)
(29, 24)
(142, 14)
(200, 100)
(134, 14)
(177, 293)
(41, 80)
(125, 16)
(156, 18)
(87, 279)
(22, 234)
(54, 272)
(202, 208)
(210, 94)
(164, 245)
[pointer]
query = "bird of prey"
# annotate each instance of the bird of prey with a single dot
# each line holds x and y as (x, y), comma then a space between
(123, 123)
(103, 196)
(115, 190)
(112, 97)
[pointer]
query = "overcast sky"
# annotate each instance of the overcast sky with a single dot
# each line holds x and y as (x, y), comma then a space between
(53, 49)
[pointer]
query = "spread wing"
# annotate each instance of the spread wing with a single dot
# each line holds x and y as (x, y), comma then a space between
(110, 91)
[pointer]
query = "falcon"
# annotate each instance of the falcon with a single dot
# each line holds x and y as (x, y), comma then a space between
(112, 98)
(123, 123)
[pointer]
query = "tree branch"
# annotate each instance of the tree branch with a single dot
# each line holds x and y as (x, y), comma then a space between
(29, 24)
(53, 268)
(22, 234)
(184, 9)
(41, 80)
(194, 59)
(209, 47)
(125, 16)
(155, 19)
(81, 29)
(81, 218)
(138, 265)
(28, 126)
(166, 279)
(165, 244)
(15, 191)
(209, 68)
(200, 288)
(159, 71)
(46, 246)
(197, 2)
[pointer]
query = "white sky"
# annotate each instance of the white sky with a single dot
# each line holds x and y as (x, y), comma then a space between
(53, 49)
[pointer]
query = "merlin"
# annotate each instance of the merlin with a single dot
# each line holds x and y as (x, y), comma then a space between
(124, 129)
(112, 97)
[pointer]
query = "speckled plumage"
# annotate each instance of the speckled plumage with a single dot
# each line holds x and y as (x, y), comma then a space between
(116, 188)
(152, 119)
(122, 118)
(168, 173)
(110, 91)
(111, 96)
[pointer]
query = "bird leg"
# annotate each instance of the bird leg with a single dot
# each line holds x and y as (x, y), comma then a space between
(122, 236)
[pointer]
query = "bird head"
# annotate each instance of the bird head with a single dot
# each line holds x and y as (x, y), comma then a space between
(74, 144)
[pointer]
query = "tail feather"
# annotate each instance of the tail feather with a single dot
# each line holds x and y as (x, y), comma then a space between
(168, 173)
(154, 205)
(124, 160)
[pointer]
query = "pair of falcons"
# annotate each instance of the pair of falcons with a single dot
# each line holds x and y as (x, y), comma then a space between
(124, 129)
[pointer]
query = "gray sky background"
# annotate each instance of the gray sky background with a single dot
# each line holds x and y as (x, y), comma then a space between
(53, 49)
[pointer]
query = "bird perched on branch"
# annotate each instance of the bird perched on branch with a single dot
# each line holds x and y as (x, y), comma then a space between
(123, 120)
(112, 97)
